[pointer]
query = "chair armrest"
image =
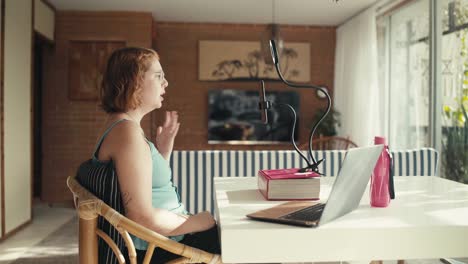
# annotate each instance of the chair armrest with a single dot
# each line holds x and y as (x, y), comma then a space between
(89, 207)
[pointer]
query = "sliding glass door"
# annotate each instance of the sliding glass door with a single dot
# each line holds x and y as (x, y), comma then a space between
(423, 100)
(407, 61)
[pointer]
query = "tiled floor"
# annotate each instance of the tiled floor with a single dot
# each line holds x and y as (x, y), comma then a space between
(45, 220)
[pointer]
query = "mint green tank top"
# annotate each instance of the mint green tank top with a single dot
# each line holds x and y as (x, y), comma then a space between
(164, 193)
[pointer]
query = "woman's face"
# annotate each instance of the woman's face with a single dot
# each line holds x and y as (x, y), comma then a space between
(153, 86)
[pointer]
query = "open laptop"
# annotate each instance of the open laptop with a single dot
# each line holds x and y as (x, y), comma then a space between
(345, 195)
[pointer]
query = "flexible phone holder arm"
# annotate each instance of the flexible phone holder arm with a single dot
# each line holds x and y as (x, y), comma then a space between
(265, 105)
(274, 54)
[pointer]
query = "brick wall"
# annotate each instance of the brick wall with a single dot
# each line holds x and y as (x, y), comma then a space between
(177, 44)
(71, 127)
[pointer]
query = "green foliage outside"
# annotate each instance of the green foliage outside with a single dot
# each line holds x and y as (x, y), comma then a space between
(455, 142)
(455, 132)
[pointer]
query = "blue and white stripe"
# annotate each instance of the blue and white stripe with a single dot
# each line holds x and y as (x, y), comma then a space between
(101, 180)
(416, 162)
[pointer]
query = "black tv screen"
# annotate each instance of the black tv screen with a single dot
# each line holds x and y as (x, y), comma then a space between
(234, 117)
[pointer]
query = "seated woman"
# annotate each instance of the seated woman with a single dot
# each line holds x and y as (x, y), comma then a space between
(134, 85)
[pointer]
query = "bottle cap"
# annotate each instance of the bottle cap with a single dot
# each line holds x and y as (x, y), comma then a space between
(379, 140)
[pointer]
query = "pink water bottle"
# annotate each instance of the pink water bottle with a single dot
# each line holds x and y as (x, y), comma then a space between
(379, 187)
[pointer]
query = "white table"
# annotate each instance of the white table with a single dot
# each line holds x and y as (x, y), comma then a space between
(428, 219)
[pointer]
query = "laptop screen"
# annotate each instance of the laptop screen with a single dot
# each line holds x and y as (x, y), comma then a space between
(351, 182)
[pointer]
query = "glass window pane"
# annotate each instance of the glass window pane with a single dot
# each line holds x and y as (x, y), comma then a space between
(454, 85)
(409, 76)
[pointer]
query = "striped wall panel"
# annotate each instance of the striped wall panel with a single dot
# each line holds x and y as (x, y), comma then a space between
(416, 162)
(193, 171)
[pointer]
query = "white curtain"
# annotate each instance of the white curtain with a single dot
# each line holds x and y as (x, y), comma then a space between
(409, 91)
(357, 95)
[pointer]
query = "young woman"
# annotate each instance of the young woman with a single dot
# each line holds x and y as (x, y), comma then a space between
(133, 86)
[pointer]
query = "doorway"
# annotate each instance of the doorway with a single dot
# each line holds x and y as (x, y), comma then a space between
(40, 46)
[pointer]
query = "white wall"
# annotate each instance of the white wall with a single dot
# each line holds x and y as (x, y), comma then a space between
(44, 19)
(17, 112)
(1, 128)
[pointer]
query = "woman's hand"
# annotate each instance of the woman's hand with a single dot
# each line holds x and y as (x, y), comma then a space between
(204, 220)
(166, 134)
(195, 223)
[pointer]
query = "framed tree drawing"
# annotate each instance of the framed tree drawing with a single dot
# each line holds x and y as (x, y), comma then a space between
(243, 61)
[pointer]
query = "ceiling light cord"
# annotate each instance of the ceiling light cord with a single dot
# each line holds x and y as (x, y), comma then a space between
(273, 12)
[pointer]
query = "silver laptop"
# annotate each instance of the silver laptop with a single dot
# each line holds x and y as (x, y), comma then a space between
(345, 195)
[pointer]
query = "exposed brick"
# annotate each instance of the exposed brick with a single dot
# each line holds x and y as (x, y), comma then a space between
(177, 44)
(71, 128)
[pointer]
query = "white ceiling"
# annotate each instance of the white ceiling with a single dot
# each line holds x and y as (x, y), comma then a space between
(294, 12)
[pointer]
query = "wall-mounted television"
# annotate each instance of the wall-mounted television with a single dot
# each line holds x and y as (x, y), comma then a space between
(234, 117)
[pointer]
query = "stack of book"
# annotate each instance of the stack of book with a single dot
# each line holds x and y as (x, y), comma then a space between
(289, 184)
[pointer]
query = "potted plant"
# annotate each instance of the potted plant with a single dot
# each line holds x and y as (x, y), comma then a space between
(328, 126)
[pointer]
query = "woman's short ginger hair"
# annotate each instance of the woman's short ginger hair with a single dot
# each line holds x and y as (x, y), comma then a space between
(120, 88)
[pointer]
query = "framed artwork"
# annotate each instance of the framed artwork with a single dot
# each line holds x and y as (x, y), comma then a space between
(86, 64)
(234, 117)
(243, 61)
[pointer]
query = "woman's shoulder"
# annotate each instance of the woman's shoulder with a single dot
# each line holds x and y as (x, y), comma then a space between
(123, 136)
(126, 131)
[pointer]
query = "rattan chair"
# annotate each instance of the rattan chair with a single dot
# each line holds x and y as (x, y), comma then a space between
(330, 143)
(89, 208)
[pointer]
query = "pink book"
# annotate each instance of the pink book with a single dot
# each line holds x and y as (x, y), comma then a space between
(289, 184)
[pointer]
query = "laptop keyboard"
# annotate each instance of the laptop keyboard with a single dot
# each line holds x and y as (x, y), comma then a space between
(311, 213)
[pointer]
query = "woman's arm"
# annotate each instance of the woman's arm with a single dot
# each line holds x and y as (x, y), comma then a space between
(193, 223)
(132, 157)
